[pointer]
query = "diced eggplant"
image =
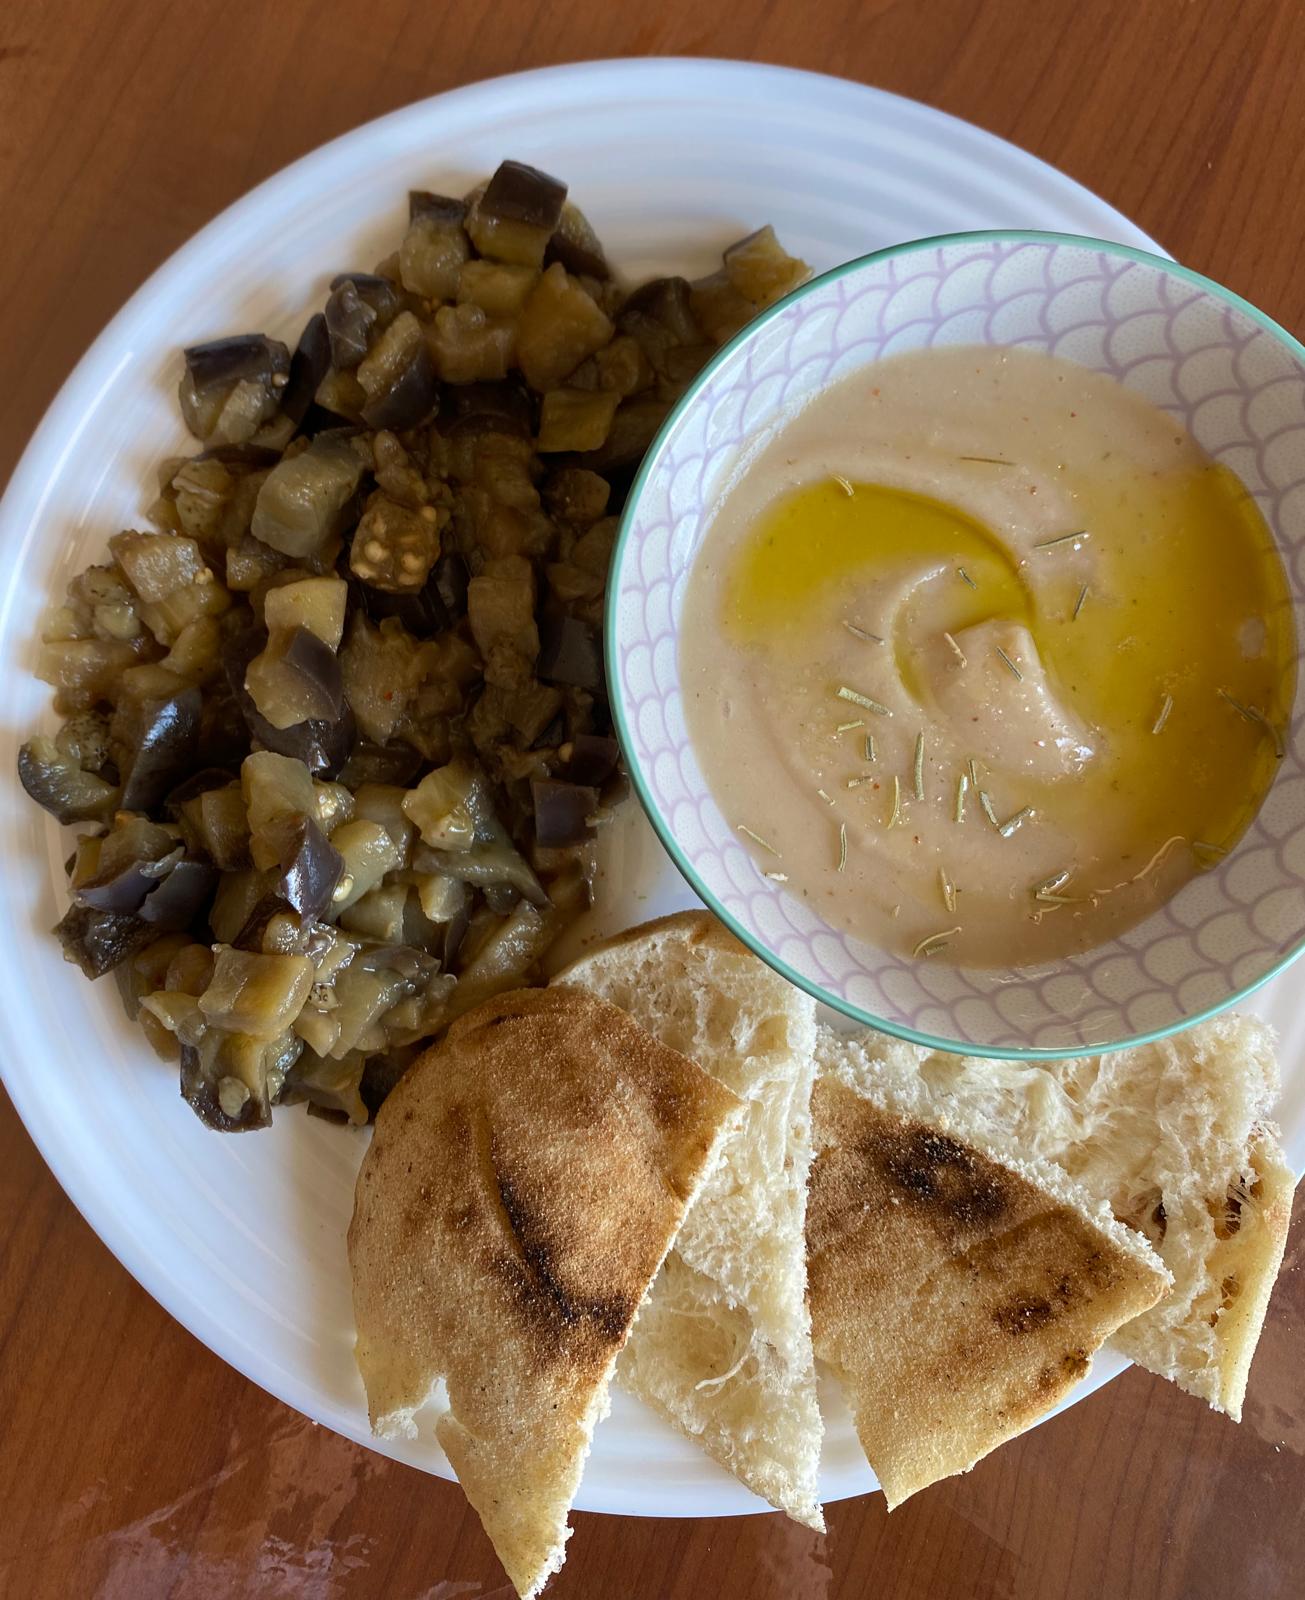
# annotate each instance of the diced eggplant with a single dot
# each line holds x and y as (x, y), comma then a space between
(562, 811)
(231, 1080)
(592, 759)
(155, 743)
(396, 764)
(570, 652)
(330, 1087)
(501, 611)
(576, 245)
(97, 941)
(412, 397)
(560, 325)
(308, 366)
(574, 495)
(435, 207)
(368, 853)
(573, 420)
(635, 426)
(761, 269)
(181, 896)
(310, 869)
(665, 301)
(197, 784)
(318, 604)
(470, 347)
(503, 407)
(623, 366)
(503, 961)
(302, 501)
(497, 287)
(296, 680)
(434, 247)
(719, 308)
(517, 214)
(232, 386)
(117, 870)
(322, 745)
(256, 995)
(398, 377)
(360, 306)
(451, 581)
(56, 782)
(383, 803)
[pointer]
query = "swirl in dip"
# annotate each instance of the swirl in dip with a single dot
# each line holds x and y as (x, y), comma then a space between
(985, 657)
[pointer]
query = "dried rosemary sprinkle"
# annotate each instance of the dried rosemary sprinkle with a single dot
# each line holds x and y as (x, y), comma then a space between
(917, 771)
(1048, 891)
(844, 485)
(1078, 604)
(987, 461)
(948, 889)
(935, 942)
(857, 783)
(863, 700)
(1010, 663)
(985, 800)
(895, 815)
(965, 577)
(1062, 538)
(962, 784)
(974, 771)
(870, 747)
(862, 633)
(956, 649)
(1011, 823)
(824, 797)
(1166, 706)
(777, 877)
(842, 845)
(1252, 714)
(757, 839)
(845, 727)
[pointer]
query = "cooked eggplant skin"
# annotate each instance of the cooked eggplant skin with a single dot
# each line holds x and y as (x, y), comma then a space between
(562, 811)
(310, 870)
(98, 941)
(59, 784)
(308, 366)
(155, 743)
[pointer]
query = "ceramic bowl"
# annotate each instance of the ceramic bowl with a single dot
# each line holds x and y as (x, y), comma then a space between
(1236, 382)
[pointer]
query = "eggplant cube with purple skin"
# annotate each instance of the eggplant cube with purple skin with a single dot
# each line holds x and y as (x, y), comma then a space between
(395, 547)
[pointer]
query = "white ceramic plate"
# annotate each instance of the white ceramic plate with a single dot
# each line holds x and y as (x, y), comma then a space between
(242, 1239)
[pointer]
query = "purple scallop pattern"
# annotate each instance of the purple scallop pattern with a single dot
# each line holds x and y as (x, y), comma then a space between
(1232, 385)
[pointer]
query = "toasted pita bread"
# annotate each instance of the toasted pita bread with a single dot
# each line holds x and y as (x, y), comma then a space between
(957, 1297)
(1176, 1137)
(524, 1183)
(723, 1346)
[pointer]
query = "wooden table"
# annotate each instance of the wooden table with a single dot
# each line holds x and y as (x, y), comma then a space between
(134, 1462)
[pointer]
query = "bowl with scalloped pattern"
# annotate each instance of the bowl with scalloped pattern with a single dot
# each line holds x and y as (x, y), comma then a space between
(1236, 382)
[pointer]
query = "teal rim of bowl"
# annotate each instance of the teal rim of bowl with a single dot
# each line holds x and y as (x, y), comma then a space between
(662, 829)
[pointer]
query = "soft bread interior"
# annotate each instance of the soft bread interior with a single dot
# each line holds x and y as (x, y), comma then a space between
(723, 1346)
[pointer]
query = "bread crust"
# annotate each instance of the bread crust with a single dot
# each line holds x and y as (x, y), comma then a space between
(957, 1298)
(524, 1183)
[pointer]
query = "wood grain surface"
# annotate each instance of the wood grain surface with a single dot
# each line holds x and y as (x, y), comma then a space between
(133, 1462)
